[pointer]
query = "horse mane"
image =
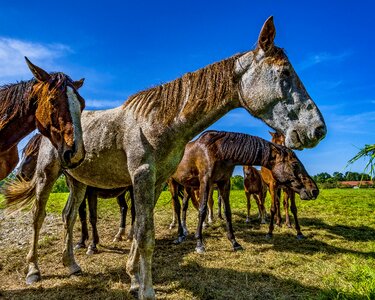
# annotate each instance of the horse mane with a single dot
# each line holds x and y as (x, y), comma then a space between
(240, 147)
(197, 90)
(16, 99)
(32, 146)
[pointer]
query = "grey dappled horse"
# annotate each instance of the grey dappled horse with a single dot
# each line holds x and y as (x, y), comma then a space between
(142, 142)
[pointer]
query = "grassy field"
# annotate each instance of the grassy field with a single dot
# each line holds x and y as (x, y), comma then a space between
(335, 261)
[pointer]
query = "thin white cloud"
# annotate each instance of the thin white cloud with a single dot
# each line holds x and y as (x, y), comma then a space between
(102, 104)
(322, 57)
(12, 52)
(360, 124)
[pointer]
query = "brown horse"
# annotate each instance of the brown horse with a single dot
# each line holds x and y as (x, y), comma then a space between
(255, 186)
(211, 159)
(50, 103)
(275, 191)
(26, 171)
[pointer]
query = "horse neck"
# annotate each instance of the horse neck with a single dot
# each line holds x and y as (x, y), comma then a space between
(17, 116)
(249, 150)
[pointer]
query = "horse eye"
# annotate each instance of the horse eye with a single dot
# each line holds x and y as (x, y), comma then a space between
(285, 73)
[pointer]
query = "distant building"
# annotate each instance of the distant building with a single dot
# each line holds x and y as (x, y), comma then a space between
(356, 184)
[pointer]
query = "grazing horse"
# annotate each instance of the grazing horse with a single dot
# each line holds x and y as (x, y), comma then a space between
(50, 103)
(26, 171)
(211, 159)
(141, 142)
(255, 186)
(275, 191)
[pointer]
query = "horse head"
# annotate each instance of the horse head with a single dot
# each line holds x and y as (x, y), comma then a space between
(289, 171)
(58, 113)
(270, 89)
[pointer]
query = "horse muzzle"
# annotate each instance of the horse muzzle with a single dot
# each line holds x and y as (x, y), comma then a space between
(309, 194)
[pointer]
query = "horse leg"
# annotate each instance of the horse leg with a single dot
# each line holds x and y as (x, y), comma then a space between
(204, 191)
(93, 208)
(224, 189)
(273, 192)
(8, 161)
(174, 186)
(43, 187)
(132, 211)
(277, 203)
(293, 208)
(76, 195)
(248, 195)
(84, 229)
(286, 207)
(140, 257)
(219, 202)
(211, 207)
(123, 211)
(261, 209)
(185, 205)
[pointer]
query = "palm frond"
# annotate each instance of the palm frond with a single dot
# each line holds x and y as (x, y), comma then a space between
(367, 151)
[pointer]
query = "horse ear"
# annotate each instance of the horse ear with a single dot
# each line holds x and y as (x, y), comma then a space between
(272, 133)
(267, 35)
(77, 84)
(38, 73)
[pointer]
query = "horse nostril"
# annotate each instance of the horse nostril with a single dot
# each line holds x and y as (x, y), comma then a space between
(315, 193)
(320, 132)
(68, 156)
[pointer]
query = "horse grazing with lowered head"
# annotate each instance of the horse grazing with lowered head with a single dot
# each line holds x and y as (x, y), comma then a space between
(48, 102)
(141, 142)
(26, 171)
(256, 187)
(275, 191)
(211, 159)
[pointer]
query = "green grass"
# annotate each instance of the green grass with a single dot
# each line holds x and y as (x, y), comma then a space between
(335, 261)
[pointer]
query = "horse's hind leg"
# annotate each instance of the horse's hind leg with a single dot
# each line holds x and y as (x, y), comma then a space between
(177, 211)
(92, 199)
(44, 186)
(84, 230)
(132, 211)
(211, 207)
(224, 189)
(123, 211)
(77, 193)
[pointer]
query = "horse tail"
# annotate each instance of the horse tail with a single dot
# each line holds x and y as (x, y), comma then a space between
(19, 194)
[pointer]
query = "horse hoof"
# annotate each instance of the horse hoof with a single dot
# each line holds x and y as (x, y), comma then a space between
(247, 220)
(237, 247)
(179, 240)
(269, 236)
(300, 237)
(30, 279)
(79, 246)
(117, 239)
(75, 270)
(171, 226)
(91, 251)
(200, 250)
(263, 222)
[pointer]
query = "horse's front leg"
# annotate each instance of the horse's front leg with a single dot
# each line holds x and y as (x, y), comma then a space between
(286, 206)
(248, 206)
(293, 208)
(8, 161)
(43, 185)
(204, 191)
(261, 209)
(224, 188)
(76, 196)
(140, 257)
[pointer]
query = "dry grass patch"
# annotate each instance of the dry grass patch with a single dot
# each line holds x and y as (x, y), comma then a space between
(335, 261)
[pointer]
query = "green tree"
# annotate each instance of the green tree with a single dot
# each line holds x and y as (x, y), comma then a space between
(237, 182)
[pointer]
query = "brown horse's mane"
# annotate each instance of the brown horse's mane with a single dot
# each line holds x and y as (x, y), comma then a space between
(197, 90)
(16, 99)
(32, 146)
(241, 147)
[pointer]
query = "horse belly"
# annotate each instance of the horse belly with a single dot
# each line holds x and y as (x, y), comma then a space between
(106, 169)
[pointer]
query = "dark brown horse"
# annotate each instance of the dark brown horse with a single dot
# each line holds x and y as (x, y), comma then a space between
(256, 187)
(50, 103)
(211, 159)
(26, 171)
(275, 189)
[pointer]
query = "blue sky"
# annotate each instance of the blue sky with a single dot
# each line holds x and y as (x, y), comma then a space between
(122, 47)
